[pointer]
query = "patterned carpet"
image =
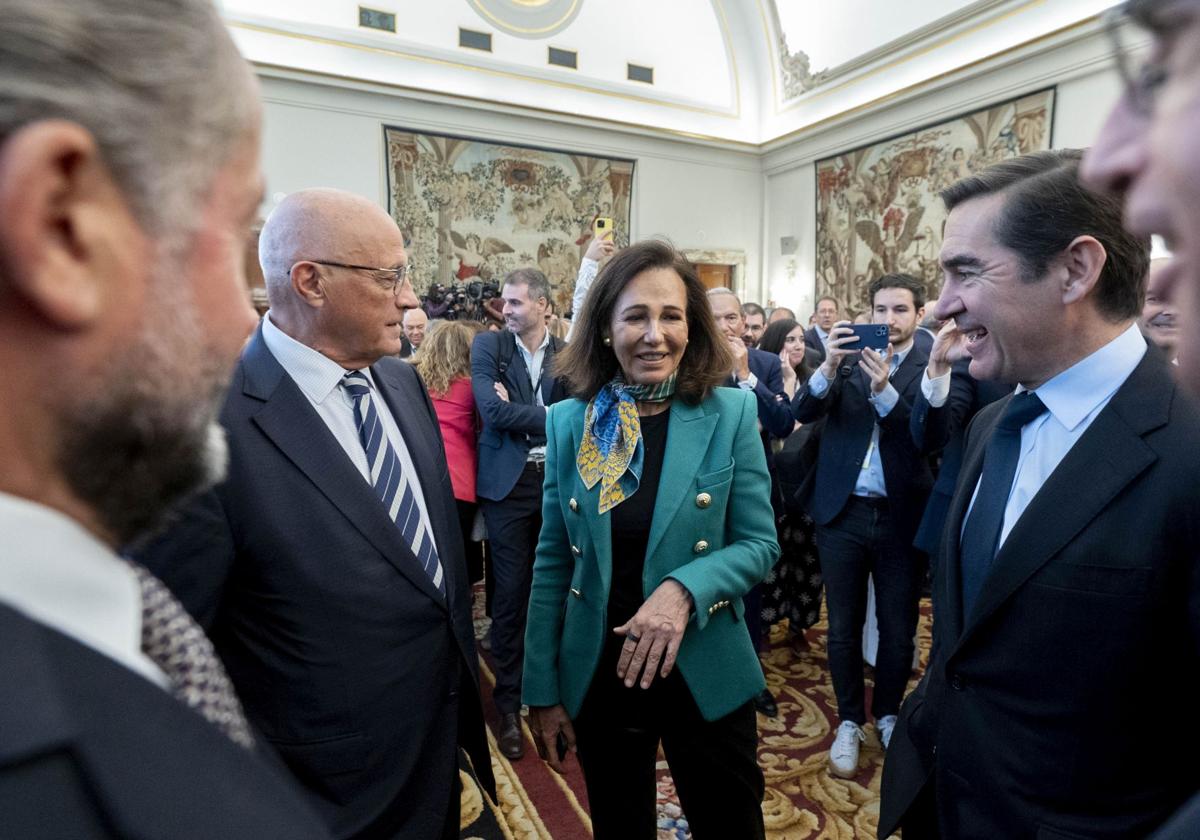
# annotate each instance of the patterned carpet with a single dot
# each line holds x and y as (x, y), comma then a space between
(802, 800)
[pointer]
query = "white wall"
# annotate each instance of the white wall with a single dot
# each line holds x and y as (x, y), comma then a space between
(322, 132)
(1078, 64)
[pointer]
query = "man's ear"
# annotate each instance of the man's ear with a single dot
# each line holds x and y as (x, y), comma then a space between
(61, 216)
(306, 283)
(1083, 262)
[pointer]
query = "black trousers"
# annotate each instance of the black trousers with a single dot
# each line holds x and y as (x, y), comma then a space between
(513, 526)
(714, 763)
(858, 543)
(474, 550)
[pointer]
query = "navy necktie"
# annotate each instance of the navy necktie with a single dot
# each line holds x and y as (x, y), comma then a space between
(389, 480)
(981, 536)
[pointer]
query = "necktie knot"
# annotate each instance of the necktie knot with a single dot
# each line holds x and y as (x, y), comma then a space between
(356, 384)
(1022, 409)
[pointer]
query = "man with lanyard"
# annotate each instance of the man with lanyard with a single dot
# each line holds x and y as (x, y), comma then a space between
(512, 383)
(867, 499)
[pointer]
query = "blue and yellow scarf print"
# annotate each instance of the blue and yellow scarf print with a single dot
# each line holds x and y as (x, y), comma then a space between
(611, 450)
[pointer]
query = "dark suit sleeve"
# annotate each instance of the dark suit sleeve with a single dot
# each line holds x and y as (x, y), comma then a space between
(932, 428)
(194, 557)
(773, 410)
(497, 414)
(806, 408)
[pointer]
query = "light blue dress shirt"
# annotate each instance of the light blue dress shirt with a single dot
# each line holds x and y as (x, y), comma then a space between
(1074, 398)
(870, 480)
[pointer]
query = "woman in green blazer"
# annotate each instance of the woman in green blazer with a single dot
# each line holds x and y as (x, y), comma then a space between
(656, 521)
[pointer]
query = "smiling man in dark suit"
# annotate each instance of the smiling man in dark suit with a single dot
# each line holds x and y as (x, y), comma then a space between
(866, 498)
(1067, 586)
(329, 566)
(123, 309)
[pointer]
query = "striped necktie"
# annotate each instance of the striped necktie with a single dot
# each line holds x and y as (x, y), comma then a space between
(389, 480)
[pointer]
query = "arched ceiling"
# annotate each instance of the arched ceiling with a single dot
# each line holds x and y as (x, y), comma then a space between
(742, 71)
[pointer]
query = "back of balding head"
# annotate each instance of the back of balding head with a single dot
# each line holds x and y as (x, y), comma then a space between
(322, 224)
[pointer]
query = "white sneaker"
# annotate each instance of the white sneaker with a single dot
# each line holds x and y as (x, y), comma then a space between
(843, 756)
(884, 727)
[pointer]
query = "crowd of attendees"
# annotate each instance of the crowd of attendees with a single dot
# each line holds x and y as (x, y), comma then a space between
(236, 586)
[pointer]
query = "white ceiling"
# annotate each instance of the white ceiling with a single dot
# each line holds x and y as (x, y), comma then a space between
(746, 71)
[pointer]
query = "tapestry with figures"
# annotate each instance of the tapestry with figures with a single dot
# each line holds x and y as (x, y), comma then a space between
(878, 209)
(475, 210)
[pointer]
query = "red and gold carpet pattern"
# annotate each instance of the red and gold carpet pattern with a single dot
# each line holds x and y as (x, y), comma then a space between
(802, 799)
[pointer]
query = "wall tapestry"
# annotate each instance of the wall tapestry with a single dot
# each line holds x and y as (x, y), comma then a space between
(475, 210)
(878, 209)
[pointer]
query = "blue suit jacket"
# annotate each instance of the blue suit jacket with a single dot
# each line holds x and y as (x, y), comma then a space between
(847, 432)
(504, 441)
(345, 655)
(713, 531)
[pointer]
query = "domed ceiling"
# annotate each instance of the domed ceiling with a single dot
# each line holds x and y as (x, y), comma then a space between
(746, 72)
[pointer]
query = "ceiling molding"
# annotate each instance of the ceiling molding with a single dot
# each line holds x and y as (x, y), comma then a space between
(287, 72)
(449, 58)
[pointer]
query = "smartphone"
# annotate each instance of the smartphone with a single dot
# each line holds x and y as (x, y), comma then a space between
(602, 228)
(874, 336)
(560, 746)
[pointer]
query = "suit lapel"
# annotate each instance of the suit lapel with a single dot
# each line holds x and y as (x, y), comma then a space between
(1109, 455)
(518, 375)
(950, 568)
(599, 524)
(289, 421)
(688, 432)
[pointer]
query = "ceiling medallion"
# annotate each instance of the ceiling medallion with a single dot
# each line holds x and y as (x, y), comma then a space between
(528, 18)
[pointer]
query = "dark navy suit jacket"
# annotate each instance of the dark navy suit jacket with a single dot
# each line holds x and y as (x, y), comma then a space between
(1030, 720)
(847, 432)
(89, 749)
(347, 658)
(814, 341)
(774, 412)
(509, 428)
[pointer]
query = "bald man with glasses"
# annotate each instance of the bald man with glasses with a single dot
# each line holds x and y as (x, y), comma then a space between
(329, 568)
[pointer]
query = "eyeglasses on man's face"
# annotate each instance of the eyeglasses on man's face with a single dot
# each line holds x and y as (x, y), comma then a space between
(1159, 21)
(392, 279)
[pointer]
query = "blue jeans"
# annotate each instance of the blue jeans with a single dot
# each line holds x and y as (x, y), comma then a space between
(861, 542)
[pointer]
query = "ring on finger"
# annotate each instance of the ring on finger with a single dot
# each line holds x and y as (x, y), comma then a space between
(633, 637)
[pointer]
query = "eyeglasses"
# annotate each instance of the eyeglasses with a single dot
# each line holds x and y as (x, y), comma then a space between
(392, 279)
(1142, 80)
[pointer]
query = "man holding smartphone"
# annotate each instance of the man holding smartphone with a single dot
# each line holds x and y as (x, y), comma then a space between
(867, 498)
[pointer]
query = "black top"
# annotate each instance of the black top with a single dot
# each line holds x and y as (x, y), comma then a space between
(631, 522)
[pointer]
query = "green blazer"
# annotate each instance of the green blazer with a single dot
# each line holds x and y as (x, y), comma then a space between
(712, 530)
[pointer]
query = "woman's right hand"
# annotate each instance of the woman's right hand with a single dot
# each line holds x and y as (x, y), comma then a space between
(787, 372)
(545, 722)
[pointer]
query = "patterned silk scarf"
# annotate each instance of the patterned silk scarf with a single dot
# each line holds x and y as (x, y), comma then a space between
(611, 451)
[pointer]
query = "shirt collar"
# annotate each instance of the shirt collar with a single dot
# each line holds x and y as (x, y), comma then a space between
(821, 334)
(525, 350)
(316, 374)
(60, 574)
(1076, 392)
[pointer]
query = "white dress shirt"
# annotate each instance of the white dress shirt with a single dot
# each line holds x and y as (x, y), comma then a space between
(319, 379)
(1074, 398)
(59, 574)
(533, 364)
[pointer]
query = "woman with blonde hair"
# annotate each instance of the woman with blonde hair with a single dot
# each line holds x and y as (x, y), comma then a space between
(444, 365)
